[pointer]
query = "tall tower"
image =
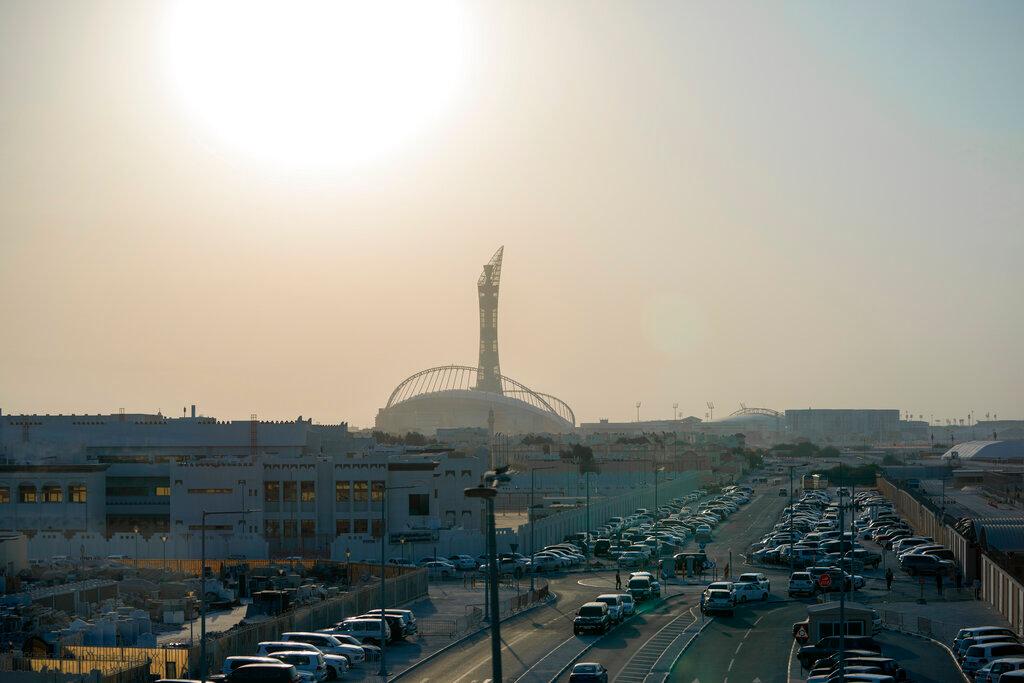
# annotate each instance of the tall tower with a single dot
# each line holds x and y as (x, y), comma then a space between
(489, 370)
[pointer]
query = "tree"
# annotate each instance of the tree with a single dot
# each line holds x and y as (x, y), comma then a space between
(829, 452)
(582, 457)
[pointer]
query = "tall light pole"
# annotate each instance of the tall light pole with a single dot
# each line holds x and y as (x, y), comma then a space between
(202, 585)
(675, 411)
(638, 411)
(488, 490)
(383, 605)
(533, 523)
(136, 530)
(163, 540)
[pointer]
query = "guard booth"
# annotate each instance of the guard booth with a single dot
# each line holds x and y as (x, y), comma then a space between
(690, 564)
(823, 620)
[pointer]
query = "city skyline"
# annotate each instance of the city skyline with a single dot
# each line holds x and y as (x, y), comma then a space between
(789, 207)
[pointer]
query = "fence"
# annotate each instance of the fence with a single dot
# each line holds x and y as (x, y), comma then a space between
(942, 631)
(402, 588)
(355, 569)
(457, 625)
(107, 668)
(163, 662)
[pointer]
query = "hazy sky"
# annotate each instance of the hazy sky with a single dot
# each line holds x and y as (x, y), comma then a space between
(786, 204)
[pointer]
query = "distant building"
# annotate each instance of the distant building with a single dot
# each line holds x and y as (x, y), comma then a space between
(604, 426)
(843, 426)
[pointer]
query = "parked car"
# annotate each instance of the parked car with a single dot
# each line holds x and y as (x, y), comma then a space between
(588, 672)
(801, 584)
(310, 665)
(809, 654)
(639, 588)
(439, 570)
(232, 663)
(327, 644)
(265, 673)
(992, 672)
(978, 656)
(592, 617)
(372, 631)
(628, 605)
(462, 562)
(917, 565)
(655, 584)
(749, 592)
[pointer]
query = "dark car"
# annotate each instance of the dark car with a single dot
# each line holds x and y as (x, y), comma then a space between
(887, 665)
(916, 565)
(264, 673)
(810, 654)
(592, 617)
(588, 672)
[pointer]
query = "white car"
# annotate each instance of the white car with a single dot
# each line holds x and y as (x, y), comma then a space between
(311, 665)
(328, 644)
(758, 578)
(545, 563)
(749, 592)
(631, 559)
(628, 606)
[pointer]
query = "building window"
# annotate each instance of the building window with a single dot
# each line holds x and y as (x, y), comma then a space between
(163, 490)
(271, 491)
(5, 495)
(360, 491)
(289, 528)
(342, 526)
(53, 494)
(289, 491)
(449, 518)
(360, 526)
(271, 528)
(377, 491)
(308, 528)
(26, 493)
(419, 504)
(214, 491)
(342, 491)
(77, 494)
(308, 491)
(378, 528)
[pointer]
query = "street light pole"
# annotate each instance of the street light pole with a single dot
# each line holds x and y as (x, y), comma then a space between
(202, 585)
(383, 673)
(533, 523)
(488, 490)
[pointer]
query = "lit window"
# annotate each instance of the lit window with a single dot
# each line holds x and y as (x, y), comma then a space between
(271, 491)
(342, 491)
(27, 493)
(53, 494)
(308, 491)
(361, 491)
(5, 495)
(377, 491)
(163, 490)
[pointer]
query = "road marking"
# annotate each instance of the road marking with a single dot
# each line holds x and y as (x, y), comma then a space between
(486, 660)
(738, 647)
(747, 633)
(537, 663)
(759, 620)
(731, 662)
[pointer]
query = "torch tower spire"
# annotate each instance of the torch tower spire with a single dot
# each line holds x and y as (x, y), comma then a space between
(489, 369)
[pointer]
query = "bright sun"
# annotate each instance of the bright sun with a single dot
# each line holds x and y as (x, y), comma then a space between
(316, 84)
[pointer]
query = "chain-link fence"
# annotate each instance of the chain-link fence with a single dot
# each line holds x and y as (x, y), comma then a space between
(942, 631)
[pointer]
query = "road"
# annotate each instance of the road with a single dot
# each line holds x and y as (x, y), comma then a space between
(537, 645)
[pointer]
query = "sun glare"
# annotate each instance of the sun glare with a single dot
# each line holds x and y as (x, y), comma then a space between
(316, 83)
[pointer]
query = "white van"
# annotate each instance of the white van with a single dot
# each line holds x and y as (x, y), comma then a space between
(980, 655)
(372, 631)
(991, 673)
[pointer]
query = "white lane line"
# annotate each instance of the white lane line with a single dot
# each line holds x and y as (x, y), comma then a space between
(759, 620)
(731, 662)
(745, 635)
(488, 659)
(537, 663)
(738, 647)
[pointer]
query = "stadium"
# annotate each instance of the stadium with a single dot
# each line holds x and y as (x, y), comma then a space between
(452, 396)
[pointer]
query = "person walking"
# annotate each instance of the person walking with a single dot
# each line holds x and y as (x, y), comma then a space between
(977, 589)
(938, 583)
(888, 578)
(618, 580)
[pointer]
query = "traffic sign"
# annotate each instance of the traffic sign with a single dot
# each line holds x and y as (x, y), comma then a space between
(825, 580)
(702, 545)
(801, 635)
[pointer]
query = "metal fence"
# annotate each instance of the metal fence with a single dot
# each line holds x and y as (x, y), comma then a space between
(163, 661)
(942, 631)
(110, 668)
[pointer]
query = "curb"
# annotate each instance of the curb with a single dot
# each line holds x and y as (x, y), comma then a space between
(597, 640)
(937, 642)
(552, 599)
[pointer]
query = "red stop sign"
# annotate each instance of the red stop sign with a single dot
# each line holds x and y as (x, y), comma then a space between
(825, 580)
